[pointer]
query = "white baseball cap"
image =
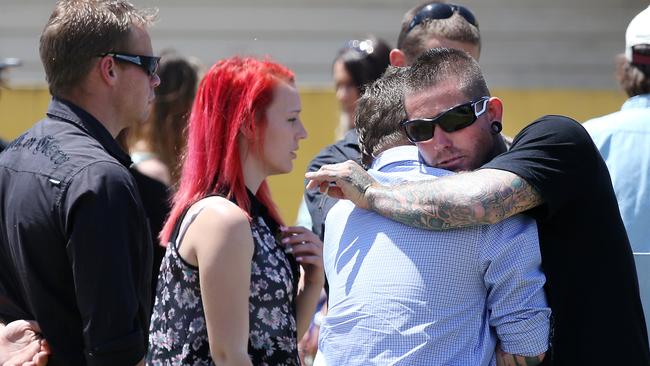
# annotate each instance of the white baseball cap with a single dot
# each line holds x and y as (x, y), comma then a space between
(638, 32)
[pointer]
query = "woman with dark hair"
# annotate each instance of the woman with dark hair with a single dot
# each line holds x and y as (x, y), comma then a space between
(230, 290)
(157, 146)
(358, 63)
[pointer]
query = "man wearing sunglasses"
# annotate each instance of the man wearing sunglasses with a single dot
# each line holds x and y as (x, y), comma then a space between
(428, 25)
(76, 250)
(418, 297)
(553, 172)
(435, 24)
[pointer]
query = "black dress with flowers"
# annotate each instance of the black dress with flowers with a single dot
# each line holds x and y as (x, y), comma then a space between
(178, 334)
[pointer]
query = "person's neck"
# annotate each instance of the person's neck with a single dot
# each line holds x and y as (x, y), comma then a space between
(102, 111)
(252, 172)
(499, 146)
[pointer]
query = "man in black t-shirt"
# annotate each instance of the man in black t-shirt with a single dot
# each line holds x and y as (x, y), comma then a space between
(428, 25)
(552, 171)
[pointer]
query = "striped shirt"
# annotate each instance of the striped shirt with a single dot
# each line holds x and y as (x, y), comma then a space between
(405, 296)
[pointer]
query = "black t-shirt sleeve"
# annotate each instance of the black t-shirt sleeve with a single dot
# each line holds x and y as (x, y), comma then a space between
(554, 155)
(107, 261)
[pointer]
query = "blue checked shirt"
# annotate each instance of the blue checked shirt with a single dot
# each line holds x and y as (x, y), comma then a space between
(405, 296)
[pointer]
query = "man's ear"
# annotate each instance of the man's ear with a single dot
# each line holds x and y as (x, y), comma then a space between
(107, 70)
(495, 109)
(397, 58)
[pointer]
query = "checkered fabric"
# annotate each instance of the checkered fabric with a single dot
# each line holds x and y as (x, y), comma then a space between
(405, 296)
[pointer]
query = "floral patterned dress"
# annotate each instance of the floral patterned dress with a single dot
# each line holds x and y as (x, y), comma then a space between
(178, 334)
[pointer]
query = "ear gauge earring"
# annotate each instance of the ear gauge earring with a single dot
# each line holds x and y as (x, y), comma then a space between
(496, 127)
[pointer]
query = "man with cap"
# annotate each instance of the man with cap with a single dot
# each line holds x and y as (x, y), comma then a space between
(623, 139)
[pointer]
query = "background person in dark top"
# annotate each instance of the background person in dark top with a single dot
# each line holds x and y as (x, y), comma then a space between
(157, 146)
(70, 212)
(428, 25)
(359, 62)
(156, 198)
(554, 172)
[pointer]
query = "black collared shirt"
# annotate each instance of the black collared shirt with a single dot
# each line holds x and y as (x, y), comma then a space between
(75, 250)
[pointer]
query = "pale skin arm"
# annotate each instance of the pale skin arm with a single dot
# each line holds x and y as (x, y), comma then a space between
(219, 241)
(484, 196)
(308, 250)
(22, 345)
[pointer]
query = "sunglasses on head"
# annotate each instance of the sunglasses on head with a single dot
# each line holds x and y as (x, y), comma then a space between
(365, 47)
(147, 63)
(453, 119)
(441, 11)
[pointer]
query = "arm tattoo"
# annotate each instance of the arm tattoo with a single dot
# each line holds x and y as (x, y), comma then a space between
(507, 359)
(484, 196)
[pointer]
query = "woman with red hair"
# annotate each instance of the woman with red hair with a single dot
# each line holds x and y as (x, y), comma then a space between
(230, 290)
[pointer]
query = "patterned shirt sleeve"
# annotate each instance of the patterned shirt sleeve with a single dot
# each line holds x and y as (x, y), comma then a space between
(511, 266)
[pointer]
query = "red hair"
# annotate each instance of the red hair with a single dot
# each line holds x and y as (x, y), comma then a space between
(232, 98)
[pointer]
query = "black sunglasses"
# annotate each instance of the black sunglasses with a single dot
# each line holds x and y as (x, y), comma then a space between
(453, 119)
(147, 63)
(441, 11)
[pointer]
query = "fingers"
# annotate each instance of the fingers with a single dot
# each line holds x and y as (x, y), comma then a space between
(314, 260)
(33, 325)
(40, 359)
(330, 173)
(303, 249)
(25, 356)
(297, 234)
(306, 247)
(45, 347)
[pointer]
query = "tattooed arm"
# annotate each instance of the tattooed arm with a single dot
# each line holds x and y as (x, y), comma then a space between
(484, 196)
(507, 359)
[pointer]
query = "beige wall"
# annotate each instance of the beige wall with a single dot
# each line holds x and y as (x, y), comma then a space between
(526, 43)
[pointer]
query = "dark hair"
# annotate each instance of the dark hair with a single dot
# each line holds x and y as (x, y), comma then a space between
(455, 28)
(78, 31)
(440, 64)
(365, 60)
(634, 79)
(165, 130)
(379, 113)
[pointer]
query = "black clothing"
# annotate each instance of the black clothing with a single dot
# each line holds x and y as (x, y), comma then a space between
(178, 334)
(75, 247)
(3, 145)
(343, 150)
(591, 284)
(155, 199)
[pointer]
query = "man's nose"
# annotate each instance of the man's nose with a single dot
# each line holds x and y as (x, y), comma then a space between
(440, 139)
